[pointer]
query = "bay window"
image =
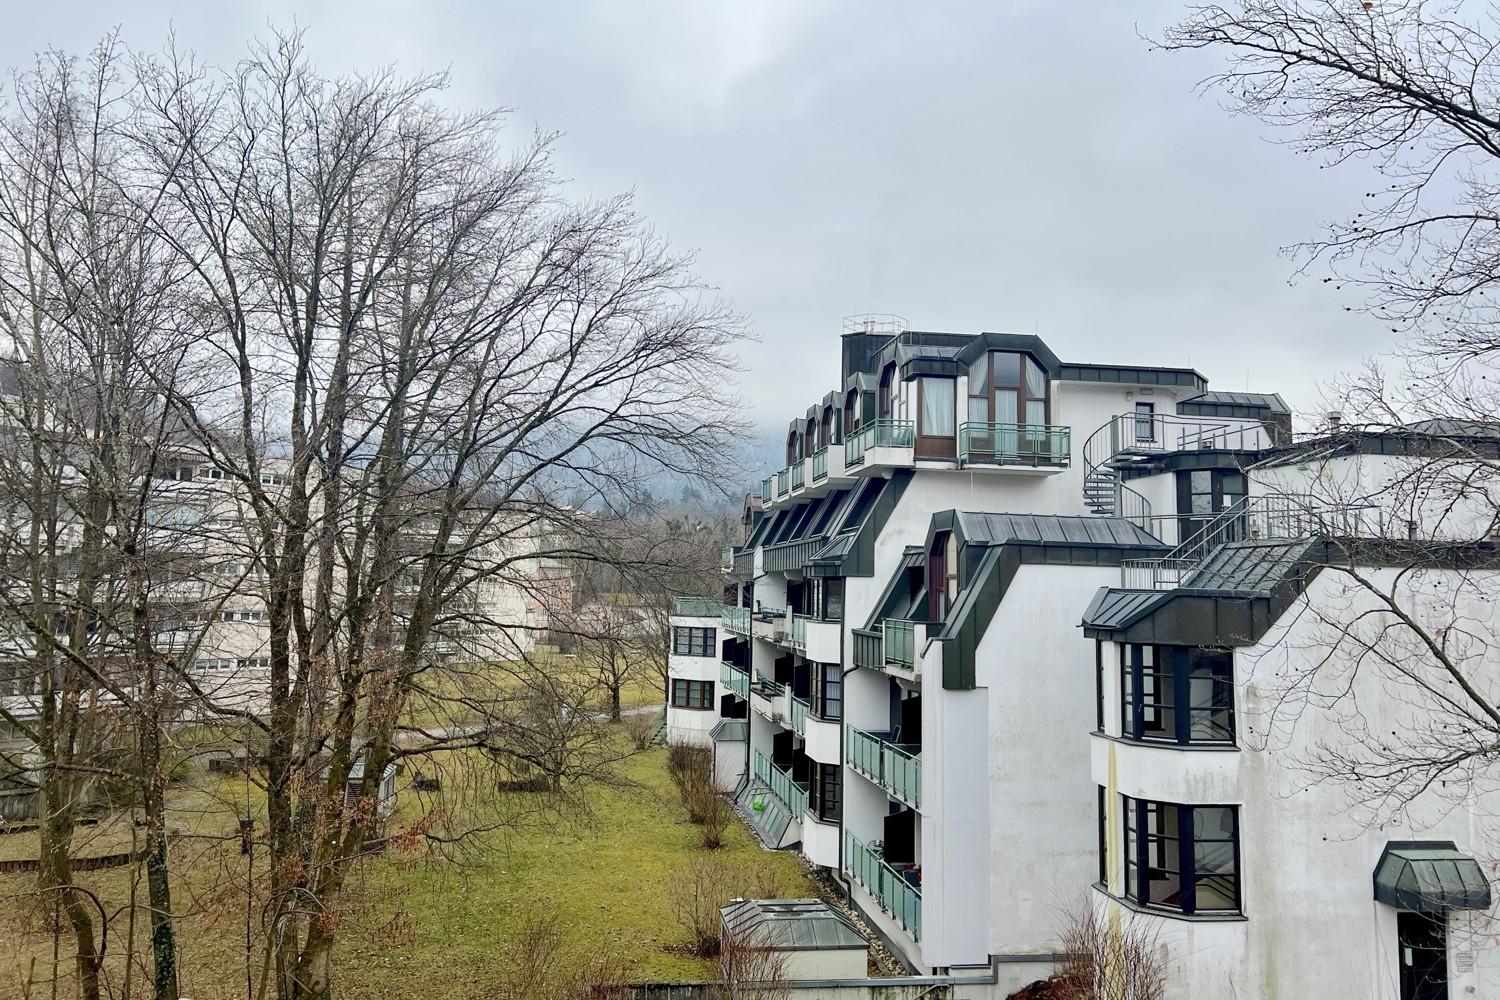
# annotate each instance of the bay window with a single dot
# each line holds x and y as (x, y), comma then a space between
(1177, 694)
(1182, 858)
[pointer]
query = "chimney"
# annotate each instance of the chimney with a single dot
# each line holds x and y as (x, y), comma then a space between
(1335, 421)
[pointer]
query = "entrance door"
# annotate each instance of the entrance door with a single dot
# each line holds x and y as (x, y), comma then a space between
(1424, 956)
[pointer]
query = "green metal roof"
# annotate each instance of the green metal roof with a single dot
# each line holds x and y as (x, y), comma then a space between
(1430, 877)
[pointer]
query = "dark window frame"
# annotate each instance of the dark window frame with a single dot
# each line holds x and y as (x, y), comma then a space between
(825, 792)
(698, 696)
(885, 397)
(827, 701)
(1158, 685)
(1170, 847)
(688, 640)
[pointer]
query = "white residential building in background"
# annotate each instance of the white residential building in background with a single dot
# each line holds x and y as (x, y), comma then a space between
(1013, 636)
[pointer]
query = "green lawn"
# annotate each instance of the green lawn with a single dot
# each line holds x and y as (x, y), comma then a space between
(611, 885)
(438, 928)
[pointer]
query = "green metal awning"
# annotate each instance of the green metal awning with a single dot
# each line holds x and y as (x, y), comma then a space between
(1430, 876)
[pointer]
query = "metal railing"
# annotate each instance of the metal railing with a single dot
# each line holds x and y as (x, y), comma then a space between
(894, 768)
(736, 679)
(799, 474)
(891, 890)
(882, 433)
(799, 631)
(735, 620)
(820, 464)
(791, 794)
(800, 708)
(767, 488)
(726, 559)
(1270, 517)
(900, 641)
(768, 687)
(1014, 444)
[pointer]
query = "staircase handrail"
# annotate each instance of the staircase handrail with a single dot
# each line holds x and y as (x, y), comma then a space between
(1127, 503)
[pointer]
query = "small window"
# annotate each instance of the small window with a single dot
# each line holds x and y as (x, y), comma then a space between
(697, 695)
(886, 397)
(1177, 694)
(1183, 858)
(825, 793)
(827, 691)
(688, 641)
(1145, 422)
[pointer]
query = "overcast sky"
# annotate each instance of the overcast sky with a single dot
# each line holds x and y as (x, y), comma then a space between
(1016, 166)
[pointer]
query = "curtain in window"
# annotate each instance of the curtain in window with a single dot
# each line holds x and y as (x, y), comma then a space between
(937, 407)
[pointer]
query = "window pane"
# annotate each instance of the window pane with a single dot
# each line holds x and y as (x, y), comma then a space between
(979, 409)
(1007, 368)
(1036, 379)
(1203, 503)
(937, 407)
(1005, 406)
(1201, 481)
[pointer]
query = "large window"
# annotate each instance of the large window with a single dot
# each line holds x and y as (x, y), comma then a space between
(825, 794)
(885, 398)
(694, 641)
(1007, 388)
(1183, 858)
(852, 413)
(692, 694)
(935, 417)
(828, 691)
(1177, 694)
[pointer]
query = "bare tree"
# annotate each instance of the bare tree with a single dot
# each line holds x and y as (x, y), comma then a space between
(422, 368)
(1396, 644)
(1107, 959)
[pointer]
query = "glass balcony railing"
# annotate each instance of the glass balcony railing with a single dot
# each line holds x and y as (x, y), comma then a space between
(799, 475)
(735, 620)
(820, 464)
(894, 768)
(799, 631)
(1013, 444)
(791, 794)
(766, 488)
(899, 641)
(734, 678)
(698, 607)
(783, 481)
(800, 709)
(883, 433)
(892, 890)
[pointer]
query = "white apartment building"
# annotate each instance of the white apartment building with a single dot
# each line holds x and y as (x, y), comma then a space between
(1015, 635)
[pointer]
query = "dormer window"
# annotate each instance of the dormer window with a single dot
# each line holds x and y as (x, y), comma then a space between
(886, 398)
(851, 413)
(828, 431)
(1006, 387)
(942, 575)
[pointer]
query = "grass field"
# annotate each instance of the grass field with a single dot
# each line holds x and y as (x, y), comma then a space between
(442, 928)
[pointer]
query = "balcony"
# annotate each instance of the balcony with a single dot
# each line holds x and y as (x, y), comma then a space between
(735, 620)
(1028, 445)
(800, 707)
(799, 632)
(895, 768)
(891, 645)
(769, 698)
(736, 679)
(726, 559)
(799, 474)
(790, 793)
(783, 483)
(820, 465)
(768, 489)
(895, 894)
(883, 433)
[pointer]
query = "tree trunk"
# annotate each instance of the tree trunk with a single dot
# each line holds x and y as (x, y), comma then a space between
(158, 882)
(57, 876)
